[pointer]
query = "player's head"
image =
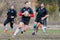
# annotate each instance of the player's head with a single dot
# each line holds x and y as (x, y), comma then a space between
(27, 4)
(42, 5)
(12, 7)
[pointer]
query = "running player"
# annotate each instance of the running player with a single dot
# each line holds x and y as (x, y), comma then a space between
(40, 18)
(26, 13)
(11, 15)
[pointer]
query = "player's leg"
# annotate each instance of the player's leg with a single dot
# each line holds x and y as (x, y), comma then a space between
(22, 30)
(25, 28)
(26, 23)
(11, 25)
(35, 26)
(38, 25)
(19, 27)
(44, 25)
(5, 26)
(43, 22)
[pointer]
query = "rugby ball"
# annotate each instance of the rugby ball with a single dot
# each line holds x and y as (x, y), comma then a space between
(26, 13)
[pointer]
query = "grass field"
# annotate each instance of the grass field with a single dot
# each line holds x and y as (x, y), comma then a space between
(49, 35)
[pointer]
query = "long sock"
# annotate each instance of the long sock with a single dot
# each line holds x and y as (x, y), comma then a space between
(5, 27)
(44, 29)
(22, 29)
(17, 30)
(34, 27)
(35, 30)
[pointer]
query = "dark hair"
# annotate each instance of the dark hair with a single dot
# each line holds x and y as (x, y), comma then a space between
(26, 2)
(41, 3)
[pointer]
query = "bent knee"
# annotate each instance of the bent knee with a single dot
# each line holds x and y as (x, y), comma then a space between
(21, 24)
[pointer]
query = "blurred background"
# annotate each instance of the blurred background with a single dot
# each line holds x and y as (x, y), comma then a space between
(53, 7)
(53, 32)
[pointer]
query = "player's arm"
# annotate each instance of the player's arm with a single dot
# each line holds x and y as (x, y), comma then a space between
(45, 15)
(31, 13)
(21, 12)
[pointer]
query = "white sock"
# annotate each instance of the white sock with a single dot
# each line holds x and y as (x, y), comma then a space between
(5, 27)
(35, 30)
(44, 29)
(17, 30)
(22, 29)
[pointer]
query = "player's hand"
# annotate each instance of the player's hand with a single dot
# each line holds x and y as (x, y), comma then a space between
(42, 18)
(23, 13)
(12, 16)
(29, 15)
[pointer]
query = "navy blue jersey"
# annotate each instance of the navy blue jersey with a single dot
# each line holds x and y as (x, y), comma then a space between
(11, 12)
(30, 11)
(41, 12)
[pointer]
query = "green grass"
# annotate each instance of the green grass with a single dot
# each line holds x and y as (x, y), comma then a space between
(30, 31)
(49, 31)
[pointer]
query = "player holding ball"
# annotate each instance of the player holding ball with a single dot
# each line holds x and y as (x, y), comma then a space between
(26, 13)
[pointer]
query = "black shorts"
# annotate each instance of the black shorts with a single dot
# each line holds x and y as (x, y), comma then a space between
(25, 21)
(44, 22)
(11, 21)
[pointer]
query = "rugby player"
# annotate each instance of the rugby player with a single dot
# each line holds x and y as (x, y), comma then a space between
(26, 13)
(11, 15)
(41, 18)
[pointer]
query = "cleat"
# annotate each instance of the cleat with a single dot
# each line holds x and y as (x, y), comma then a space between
(33, 33)
(11, 33)
(5, 30)
(21, 32)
